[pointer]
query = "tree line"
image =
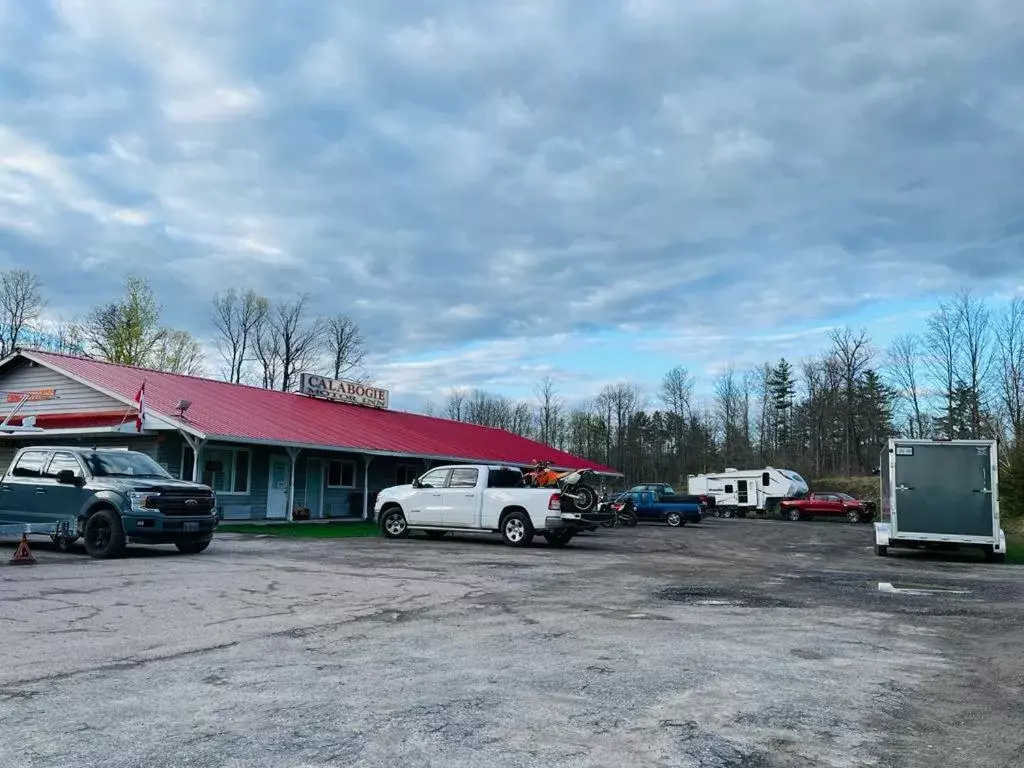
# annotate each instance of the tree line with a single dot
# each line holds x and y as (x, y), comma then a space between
(258, 341)
(961, 375)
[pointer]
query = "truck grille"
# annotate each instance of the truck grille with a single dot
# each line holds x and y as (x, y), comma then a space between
(181, 502)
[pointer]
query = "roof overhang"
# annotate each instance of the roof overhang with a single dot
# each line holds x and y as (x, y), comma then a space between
(377, 452)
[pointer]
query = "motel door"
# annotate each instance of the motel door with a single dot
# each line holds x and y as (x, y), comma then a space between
(277, 487)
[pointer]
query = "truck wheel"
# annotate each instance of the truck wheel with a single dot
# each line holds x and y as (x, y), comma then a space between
(393, 524)
(794, 515)
(517, 530)
(674, 520)
(192, 547)
(558, 538)
(104, 535)
(726, 513)
(853, 516)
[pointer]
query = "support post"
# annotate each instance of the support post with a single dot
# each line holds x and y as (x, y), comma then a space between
(366, 486)
(196, 444)
(293, 454)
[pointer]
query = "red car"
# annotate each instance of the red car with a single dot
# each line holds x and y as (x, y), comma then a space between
(827, 505)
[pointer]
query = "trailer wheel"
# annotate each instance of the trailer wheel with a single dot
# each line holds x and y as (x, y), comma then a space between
(991, 556)
(726, 512)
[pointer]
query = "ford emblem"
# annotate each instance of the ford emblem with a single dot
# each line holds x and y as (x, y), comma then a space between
(190, 502)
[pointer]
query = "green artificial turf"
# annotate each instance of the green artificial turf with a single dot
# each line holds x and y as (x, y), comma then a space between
(303, 530)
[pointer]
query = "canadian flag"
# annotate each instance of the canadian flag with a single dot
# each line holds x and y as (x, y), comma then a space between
(140, 403)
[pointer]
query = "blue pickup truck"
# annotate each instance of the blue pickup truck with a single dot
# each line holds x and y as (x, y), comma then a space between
(649, 506)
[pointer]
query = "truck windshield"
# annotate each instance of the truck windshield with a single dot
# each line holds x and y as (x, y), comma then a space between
(123, 464)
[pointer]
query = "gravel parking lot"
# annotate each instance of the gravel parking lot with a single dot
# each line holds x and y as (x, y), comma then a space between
(733, 643)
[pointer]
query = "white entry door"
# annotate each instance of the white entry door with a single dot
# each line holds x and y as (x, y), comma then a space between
(277, 487)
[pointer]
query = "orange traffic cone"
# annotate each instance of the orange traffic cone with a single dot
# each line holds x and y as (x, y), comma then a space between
(23, 555)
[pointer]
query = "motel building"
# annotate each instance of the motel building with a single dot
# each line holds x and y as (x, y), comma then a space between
(327, 449)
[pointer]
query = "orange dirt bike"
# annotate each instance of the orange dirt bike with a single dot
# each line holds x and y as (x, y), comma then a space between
(581, 496)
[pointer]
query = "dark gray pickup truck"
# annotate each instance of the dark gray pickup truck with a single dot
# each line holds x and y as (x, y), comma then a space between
(107, 497)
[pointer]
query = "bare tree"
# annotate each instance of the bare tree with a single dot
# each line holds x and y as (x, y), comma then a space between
(676, 394)
(1009, 336)
(21, 306)
(549, 410)
(298, 339)
(179, 352)
(236, 317)
(974, 322)
(942, 341)
(345, 346)
(455, 404)
(126, 331)
(903, 361)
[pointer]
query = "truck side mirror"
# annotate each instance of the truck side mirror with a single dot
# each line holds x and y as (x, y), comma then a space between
(416, 483)
(67, 477)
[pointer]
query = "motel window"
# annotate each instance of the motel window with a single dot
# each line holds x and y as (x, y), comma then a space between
(406, 473)
(341, 474)
(30, 464)
(226, 470)
(766, 479)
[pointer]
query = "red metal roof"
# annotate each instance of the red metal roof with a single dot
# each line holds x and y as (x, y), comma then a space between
(236, 411)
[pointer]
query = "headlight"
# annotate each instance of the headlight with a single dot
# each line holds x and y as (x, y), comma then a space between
(142, 502)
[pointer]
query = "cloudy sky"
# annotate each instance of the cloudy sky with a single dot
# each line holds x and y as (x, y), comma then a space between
(496, 191)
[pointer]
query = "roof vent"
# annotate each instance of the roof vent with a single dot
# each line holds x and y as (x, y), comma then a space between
(731, 469)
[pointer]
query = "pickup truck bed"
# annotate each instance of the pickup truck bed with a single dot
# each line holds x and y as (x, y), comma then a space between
(479, 498)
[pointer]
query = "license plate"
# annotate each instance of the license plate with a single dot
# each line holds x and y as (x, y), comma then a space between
(191, 527)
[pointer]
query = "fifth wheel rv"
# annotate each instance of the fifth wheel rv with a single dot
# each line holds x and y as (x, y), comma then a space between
(738, 491)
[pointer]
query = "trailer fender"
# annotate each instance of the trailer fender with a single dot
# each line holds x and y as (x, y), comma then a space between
(1000, 547)
(882, 533)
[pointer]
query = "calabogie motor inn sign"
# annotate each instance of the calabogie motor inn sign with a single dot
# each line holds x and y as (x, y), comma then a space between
(344, 391)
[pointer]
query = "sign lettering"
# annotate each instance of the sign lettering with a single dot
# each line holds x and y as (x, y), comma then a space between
(344, 391)
(39, 394)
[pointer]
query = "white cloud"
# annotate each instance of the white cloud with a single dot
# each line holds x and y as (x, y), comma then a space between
(514, 171)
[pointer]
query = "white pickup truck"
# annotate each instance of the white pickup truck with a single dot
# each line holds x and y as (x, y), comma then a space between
(480, 498)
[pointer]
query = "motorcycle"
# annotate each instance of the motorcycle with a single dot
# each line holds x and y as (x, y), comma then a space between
(622, 514)
(580, 494)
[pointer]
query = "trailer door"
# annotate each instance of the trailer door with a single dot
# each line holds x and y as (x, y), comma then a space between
(944, 489)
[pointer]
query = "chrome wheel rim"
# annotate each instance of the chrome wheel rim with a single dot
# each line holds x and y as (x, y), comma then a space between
(395, 524)
(515, 530)
(673, 519)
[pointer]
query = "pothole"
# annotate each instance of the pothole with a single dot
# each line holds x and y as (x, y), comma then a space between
(717, 597)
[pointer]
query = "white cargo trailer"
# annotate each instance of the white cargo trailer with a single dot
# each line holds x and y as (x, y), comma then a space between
(940, 493)
(739, 491)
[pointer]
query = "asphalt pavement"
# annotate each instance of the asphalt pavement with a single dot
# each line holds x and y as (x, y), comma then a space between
(735, 643)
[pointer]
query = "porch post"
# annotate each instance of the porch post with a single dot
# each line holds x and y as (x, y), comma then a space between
(366, 486)
(196, 444)
(293, 454)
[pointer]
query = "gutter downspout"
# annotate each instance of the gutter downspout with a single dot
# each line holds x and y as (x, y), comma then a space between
(293, 454)
(366, 486)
